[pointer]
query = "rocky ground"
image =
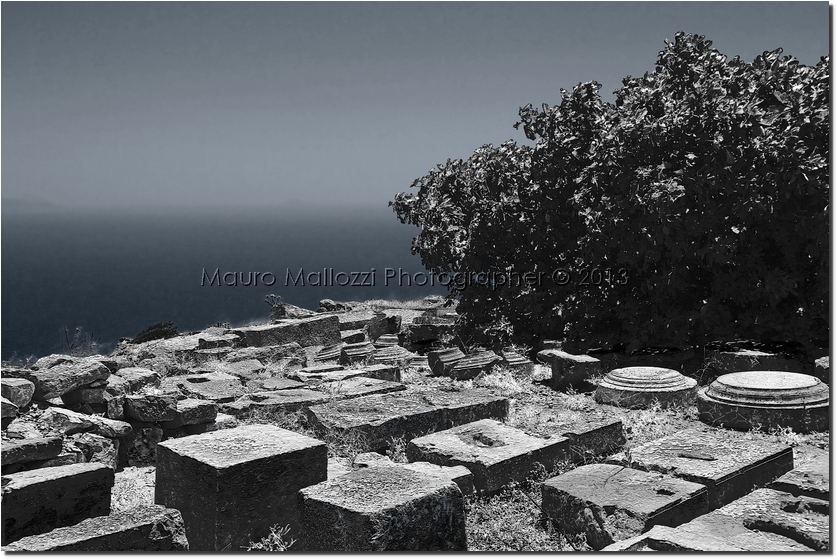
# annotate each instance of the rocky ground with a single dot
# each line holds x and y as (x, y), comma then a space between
(294, 371)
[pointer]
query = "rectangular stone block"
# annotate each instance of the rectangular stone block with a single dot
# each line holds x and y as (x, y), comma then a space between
(383, 508)
(210, 386)
(380, 419)
(609, 503)
(232, 485)
(441, 361)
(190, 412)
(495, 453)
(461, 476)
(18, 391)
(570, 369)
(38, 501)
(314, 331)
(25, 450)
(359, 387)
(288, 400)
(728, 464)
(808, 479)
(146, 528)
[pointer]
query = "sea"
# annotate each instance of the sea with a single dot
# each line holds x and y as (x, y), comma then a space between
(114, 272)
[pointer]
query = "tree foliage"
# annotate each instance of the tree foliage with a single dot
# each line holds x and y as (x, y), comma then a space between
(701, 196)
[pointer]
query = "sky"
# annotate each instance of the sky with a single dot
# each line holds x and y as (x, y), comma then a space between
(111, 104)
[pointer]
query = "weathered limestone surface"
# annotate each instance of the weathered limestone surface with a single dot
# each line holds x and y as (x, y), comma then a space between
(391, 355)
(707, 533)
(245, 369)
(495, 453)
(266, 354)
(515, 361)
(766, 399)
(386, 340)
(18, 391)
(231, 486)
(274, 384)
(331, 352)
(190, 412)
(25, 450)
(218, 387)
(69, 422)
(222, 422)
(461, 476)
(40, 500)
(569, 369)
(591, 437)
(138, 378)
(287, 400)
(441, 361)
(474, 364)
(809, 479)
(323, 368)
(98, 449)
(353, 337)
(803, 519)
(729, 465)
(151, 408)
(315, 331)
(359, 387)
(383, 508)
(610, 503)
(380, 419)
(377, 371)
(146, 528)
(639, 387)
(8, 411)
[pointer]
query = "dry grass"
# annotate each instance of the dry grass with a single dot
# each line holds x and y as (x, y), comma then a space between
(503, 380)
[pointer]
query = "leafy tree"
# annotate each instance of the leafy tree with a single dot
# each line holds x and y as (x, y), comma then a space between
(701, 196)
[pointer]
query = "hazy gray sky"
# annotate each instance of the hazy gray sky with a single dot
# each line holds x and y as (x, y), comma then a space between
(261, 103)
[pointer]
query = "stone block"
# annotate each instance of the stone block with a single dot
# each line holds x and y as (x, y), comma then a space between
(16, 390)
(314, 331)
(329, 353)
(64, 377)
(288, 400)
(384, 325)
(191, 411)
(26, 450)
(609, 503)
(381, 419)
(245, 370)
(461, 476)
(218, 387)
(274, 384)
(222, 422)
(151, 408)
(145, 528)
(383, 508)
(386, 340)
(8, 411)
(495, 453)
(808, 479)
(141, 446)
(359, 387)
(266, 354)
(232, 485)
(38, 501)
(729, 465)
(138, 378)
(570, 369)
(69, 422)
(98, 449)
(394, 355)
(60, 460)
(822, 369)
(800, 518)
(324, 368)
(387, 372)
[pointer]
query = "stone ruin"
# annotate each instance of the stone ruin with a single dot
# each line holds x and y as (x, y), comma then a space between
(187, 404)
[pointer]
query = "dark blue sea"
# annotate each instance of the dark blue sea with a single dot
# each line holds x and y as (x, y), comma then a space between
(115, 272)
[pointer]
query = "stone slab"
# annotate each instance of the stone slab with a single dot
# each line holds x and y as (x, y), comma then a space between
(381, 419)
(441, 361)
(274, 384)
(461, 476)
(495, 453)
(151, 408)
(218, 387)
(473, 365)
(64, 377)
(800, 518)
(383, 508)
(359, 387)
(729, 465)
(146, 528)
(26, 450)
(810, 479)
(190, 412)
(822, 369)
(69, 422)
(569, 369)
(232, 485)
(706, 535)
(353, 337)
(314, 331)
(274, 401)
(38, 501)
(138, 378)
(752, 360)
(609, 503)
